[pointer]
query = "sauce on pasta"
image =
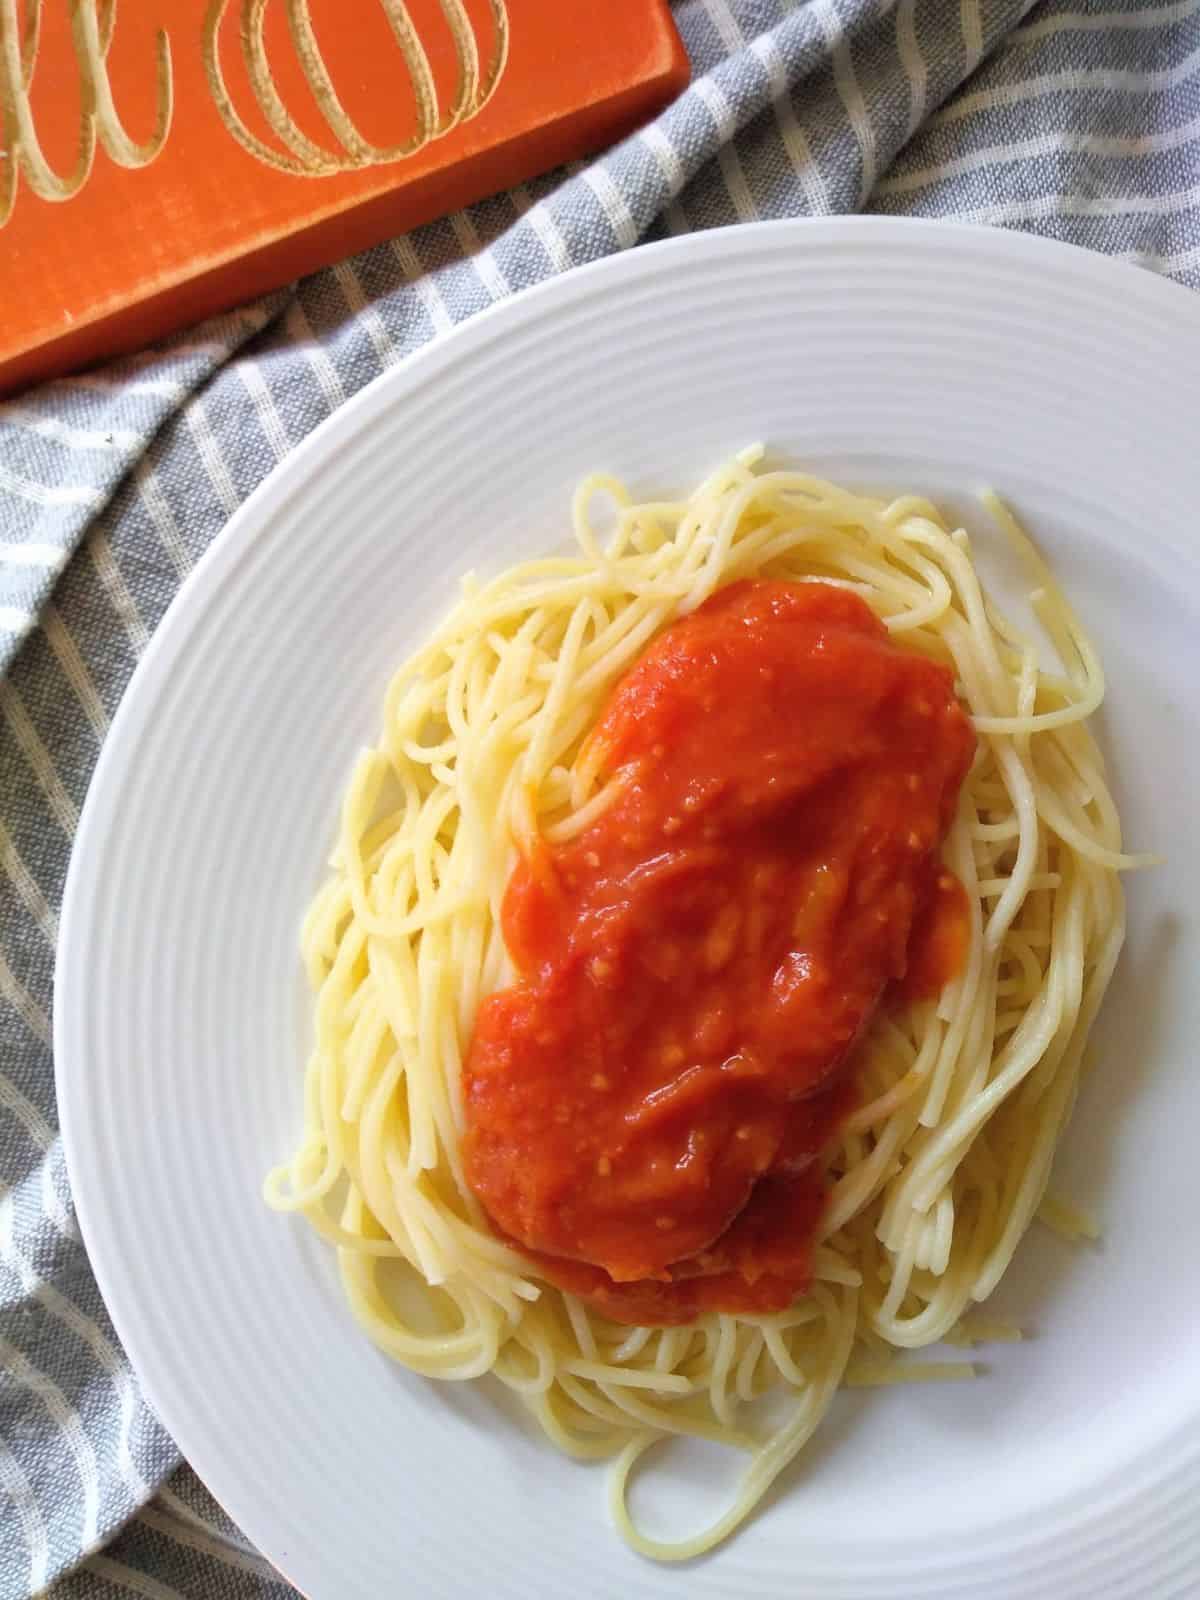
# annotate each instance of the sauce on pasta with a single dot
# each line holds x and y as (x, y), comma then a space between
(646, 1103)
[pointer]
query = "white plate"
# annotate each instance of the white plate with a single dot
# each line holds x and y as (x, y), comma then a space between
(877, 351)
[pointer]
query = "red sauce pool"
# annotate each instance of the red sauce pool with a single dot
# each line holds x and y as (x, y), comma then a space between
(646, 1105)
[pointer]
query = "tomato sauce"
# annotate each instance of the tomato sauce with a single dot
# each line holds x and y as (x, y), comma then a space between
(646, 1106)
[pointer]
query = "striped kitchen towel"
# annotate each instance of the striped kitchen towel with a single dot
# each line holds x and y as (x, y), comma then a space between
(1079, 119)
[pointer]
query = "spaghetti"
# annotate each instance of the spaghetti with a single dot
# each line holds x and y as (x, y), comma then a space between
(934, 1175)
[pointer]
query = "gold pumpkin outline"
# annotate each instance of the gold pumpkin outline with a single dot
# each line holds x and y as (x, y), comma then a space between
(309, 159)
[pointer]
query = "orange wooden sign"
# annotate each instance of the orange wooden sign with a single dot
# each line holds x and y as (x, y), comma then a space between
(164, 159)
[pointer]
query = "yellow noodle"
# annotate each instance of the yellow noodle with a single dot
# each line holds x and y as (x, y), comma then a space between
(937, 1175)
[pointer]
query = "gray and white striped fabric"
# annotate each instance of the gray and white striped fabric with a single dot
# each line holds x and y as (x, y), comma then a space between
(1079, 120)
